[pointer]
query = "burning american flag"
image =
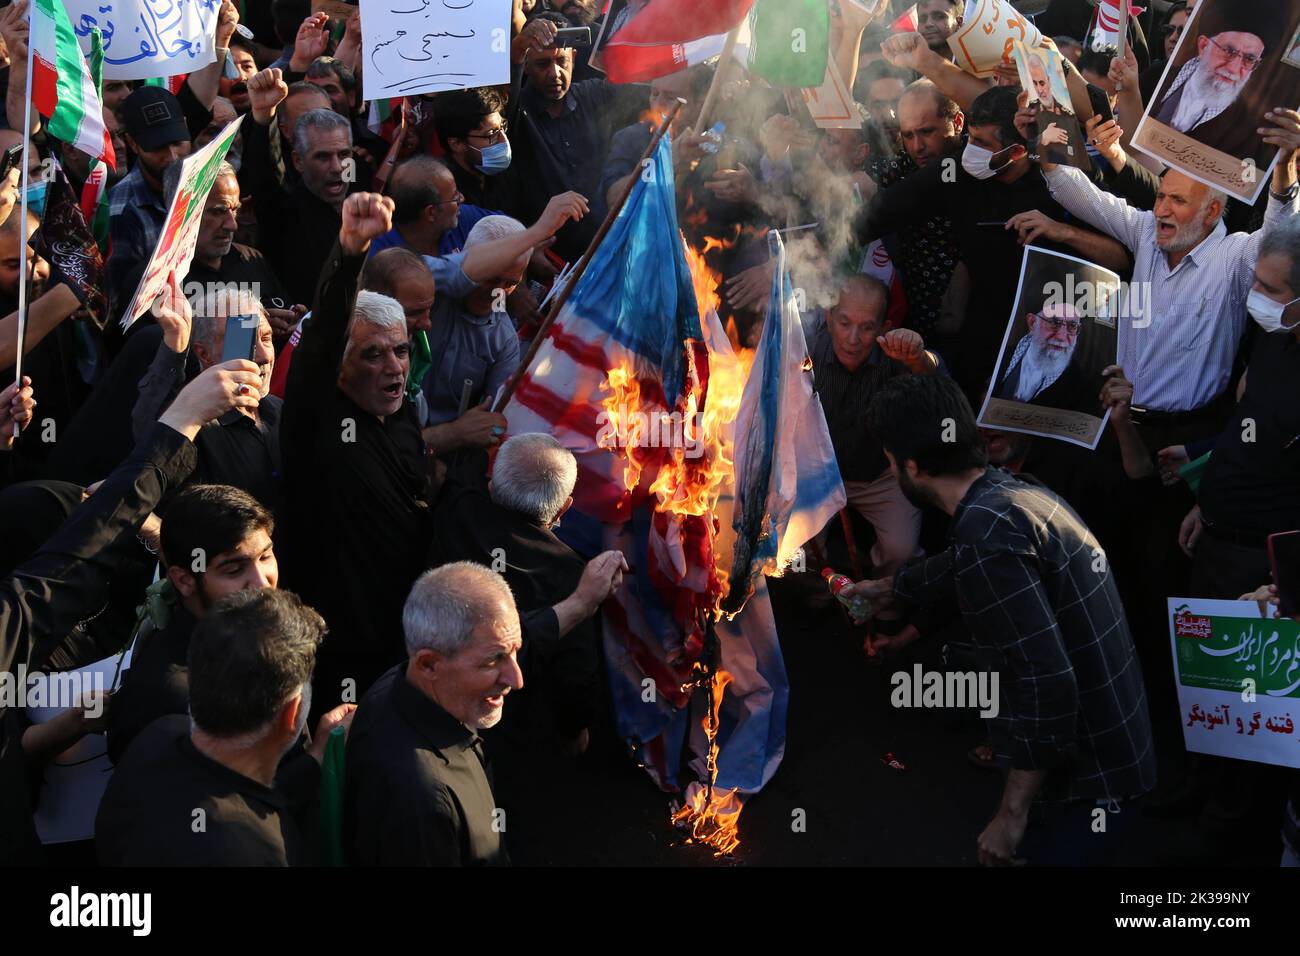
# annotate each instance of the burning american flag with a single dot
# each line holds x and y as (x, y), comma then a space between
(638, 379)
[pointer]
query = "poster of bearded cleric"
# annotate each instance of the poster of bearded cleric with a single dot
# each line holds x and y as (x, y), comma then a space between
(1234, 63)
(1063, 331)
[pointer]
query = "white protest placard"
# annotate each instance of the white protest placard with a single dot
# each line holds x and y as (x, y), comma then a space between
(985, 40)
(175, 248)
(831, 104)
(1238, 679)
(425, 46)
(144, 39)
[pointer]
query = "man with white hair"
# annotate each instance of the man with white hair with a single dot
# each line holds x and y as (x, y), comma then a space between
(1191, 278)
(356, 516)
(509, 525)
(250, 670)
(418, 790)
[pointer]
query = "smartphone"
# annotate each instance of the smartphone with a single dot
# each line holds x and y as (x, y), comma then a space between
(241, 337)
(1100, 103)
(573, 36)
(10, 158)
(1284, 556)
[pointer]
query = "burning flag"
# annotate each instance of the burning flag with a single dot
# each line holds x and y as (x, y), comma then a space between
(1105, 23)
(65, 89)
(638, 380)
(787, 480)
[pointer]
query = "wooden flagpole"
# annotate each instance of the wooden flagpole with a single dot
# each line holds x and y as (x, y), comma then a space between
(558, 302)
(719, 75)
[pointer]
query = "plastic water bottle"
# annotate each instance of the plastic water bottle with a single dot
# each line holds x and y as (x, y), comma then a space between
(714, 134)
(859, 608)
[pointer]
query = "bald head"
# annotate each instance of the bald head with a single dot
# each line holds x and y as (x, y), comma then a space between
(857, 319)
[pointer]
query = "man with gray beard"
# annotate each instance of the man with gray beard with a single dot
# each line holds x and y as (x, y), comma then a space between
(1036, 372)
(1208, 100)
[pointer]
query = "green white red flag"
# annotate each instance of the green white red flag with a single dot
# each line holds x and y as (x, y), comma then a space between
(64, 89)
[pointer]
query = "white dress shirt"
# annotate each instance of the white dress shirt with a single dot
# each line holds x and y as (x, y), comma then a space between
(1179, 354)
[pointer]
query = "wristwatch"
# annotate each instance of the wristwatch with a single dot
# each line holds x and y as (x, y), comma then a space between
(1289, 195)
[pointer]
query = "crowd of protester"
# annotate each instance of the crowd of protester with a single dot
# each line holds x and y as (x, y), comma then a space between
(310, 539)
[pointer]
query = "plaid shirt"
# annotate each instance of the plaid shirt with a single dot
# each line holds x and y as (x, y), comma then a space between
(1034, 587)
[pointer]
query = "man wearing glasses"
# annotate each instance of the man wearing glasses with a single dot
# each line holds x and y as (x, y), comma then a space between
(1230, 49)
(1040, 371)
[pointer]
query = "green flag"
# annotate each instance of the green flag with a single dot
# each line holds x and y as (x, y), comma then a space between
(790, 41)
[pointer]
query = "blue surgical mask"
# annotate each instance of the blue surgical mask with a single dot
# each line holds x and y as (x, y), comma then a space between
(495, 159)
(36, 198)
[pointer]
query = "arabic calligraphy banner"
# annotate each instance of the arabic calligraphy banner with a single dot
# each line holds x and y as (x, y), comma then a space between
(175, 249)
(425, 46)
(1238, 680)
(144, 39)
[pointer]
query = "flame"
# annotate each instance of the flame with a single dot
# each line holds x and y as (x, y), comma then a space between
(711, 815)
(718, 242)
(620, 405)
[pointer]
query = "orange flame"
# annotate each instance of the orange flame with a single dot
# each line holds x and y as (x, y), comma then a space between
(712, 816)
(620, 405)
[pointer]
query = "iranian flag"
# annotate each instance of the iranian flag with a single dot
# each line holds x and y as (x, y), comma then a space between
(64, 90)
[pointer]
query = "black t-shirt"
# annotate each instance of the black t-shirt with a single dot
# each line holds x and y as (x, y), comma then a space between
(1252, 482)
(150, 814)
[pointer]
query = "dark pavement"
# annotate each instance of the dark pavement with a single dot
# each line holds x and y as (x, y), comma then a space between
(603, 810)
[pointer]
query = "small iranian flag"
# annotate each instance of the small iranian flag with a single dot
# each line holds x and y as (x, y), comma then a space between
(907, 23)
(64, 90)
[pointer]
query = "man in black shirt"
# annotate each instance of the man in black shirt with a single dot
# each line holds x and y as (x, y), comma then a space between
(205, 795)
(509, 525)
(853, 358)
(996, 181)
(215, 541)
(357, 519)
(42, 602)
(1026, 572)
(297, 227)
(418, 790)
(1251, 489)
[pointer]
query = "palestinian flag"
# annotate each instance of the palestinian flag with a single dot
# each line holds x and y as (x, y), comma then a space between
(64, 90)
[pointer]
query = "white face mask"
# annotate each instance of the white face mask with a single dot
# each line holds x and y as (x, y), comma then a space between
(978, 161)
(1267, 312)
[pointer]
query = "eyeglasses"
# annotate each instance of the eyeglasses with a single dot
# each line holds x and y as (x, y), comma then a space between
(1070, 325)
(458, 198)
(1248, 60)
(493, 135)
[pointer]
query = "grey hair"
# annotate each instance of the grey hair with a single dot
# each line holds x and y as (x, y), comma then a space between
(1284, 240)
(446, 605)
(1219, 196)
(533, 475)
(321, 119)
(373, 308)
(491, 228)
(172, 177)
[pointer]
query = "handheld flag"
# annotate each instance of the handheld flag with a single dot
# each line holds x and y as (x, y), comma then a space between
(64, 89)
